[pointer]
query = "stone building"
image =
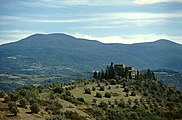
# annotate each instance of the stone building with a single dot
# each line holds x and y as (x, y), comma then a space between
(124, 71)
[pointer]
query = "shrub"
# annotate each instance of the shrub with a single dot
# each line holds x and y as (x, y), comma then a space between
(115, 115)
(94, 101)
(126, 94)
(136, 101)
(113, 82)
(122, 104)
(11, 104)
(142, 100)
(129, 101)
(87, 91)
(7, 99)
(73, 116)
(68, 93)
(56, 117)
(116, 101)
(102, 88)
(54, 106)
(35, 108)
(108, 95)
(124, 85)
(23, 102)
(32, 100)
(2, 94)
(112, 105)
(133, 93)
(99, 95)
(58, 90)
(98, 113)
(103, 105)
(109, 87)
(52, 97)
(93, 88)
(57, 105)
(14, 110)
(13, 96)
(145, 94)
(126, 90)
(81, 99)
(23, 92)
(134, 116)
(106, 83)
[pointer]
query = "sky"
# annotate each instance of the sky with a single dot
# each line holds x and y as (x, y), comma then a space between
(108, 21)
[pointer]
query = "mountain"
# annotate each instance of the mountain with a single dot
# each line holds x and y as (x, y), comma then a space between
(64, 54)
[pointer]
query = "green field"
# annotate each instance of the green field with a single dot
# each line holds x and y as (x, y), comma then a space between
(116, 89)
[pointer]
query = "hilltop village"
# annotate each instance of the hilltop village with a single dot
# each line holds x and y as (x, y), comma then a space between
(119, 71)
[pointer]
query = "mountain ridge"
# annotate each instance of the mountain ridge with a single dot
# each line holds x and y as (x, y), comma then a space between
(86, 55)
(79, 38)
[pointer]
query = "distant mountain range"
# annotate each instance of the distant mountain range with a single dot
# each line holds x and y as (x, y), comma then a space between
(65, 54)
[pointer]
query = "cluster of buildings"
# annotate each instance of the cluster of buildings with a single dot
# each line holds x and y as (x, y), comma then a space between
(129, 72)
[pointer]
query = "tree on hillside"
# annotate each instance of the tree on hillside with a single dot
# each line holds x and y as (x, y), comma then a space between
(95, 75)
(149, 75)
(102, 74)
(35, 108)
(99, 75)
(2, 94)
(107, 95)
(13, 108)
(102, 88)
(87, 91)
(133, 93)
(120, 71)
(99, 95)
(107, 72)
(94, 101)
(122, 104)
(93, 88)
(23, 102)
(111, 72)
(13, 96)
(58, 90)
(7, 98)
(103, 105)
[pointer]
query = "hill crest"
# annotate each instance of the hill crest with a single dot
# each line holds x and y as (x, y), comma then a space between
(82, 55)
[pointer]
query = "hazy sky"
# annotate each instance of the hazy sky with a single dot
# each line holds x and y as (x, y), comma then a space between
(109, 21)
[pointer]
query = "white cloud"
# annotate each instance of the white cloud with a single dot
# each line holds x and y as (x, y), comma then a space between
(7, 36)
(140, 15)
(11, 19)
(142, 2)
(102, 19)
(129, 39)
(63, 3)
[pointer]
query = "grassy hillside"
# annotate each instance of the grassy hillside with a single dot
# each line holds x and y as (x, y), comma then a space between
(128, 99)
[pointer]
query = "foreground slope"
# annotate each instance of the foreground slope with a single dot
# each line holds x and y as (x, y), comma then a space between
(127, 99)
